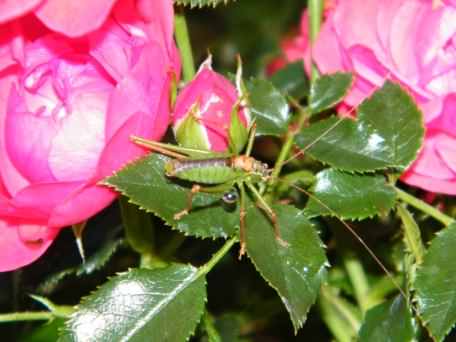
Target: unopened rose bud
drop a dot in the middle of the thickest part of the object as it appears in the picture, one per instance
(209, 114)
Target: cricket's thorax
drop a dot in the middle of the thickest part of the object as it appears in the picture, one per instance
(215, 170)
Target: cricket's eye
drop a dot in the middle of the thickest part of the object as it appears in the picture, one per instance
(230, 197)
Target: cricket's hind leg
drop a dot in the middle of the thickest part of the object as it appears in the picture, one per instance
(195, 189)
(198, 188)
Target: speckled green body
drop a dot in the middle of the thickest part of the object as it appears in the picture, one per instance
(205, 171)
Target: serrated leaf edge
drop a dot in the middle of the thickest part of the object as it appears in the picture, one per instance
(85, 298)
(106, 182)
(300, 322)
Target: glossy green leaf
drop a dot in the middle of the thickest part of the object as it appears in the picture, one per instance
(387, 134)
(268, 106)
(435, 290)
(296, 271)
(93, 263)
(292, 80)
(145, 183)
(350, 196)
(328, 90)
(141, 305)
(388, 322)
(201, 3)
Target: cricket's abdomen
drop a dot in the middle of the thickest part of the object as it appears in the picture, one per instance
(206, 171)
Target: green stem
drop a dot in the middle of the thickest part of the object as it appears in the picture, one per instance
(412, 234)
(209, 326)
(358, 280)
(26, 316)
(205, 269)
(183, 42)
(315, 17)
(288, 144)
(424, 207)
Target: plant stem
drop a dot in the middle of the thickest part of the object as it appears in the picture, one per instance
(424, 207)
(288, 144)
(315, 16)
(26, 316)
(217, 256)
(183, 42)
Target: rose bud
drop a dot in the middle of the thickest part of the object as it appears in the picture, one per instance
(209, 113)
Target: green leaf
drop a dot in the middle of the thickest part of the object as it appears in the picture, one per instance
(388, 322)
(350, 196)
(328, 90)
(141, 305)
(435, 281)
(44, 333)
(296, 271)
(268, 106)
(292, 80)
(387, 134)
(201, 3)
(145, 183)
(93, 263)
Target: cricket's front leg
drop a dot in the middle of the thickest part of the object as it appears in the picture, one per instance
(195, 189)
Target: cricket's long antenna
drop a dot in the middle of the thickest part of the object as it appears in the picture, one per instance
(333, 126)
(303, 150)
(356, 235)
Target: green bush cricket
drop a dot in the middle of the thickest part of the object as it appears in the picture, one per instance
(213, 172)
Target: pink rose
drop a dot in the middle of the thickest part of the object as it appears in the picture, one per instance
(202, 114)
(21, 243)
(72, 18)
(409, 41)
(67, 110)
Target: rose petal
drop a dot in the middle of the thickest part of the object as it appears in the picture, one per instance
(159, 18)
(28, 138)
(78, 143)
(10, 9)
(446, 148)
(429, 183)
(82, 204)
(74, 18)
(37, 201)
(429, 163)
(21, 245)
(140, 90)
(120, 149)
